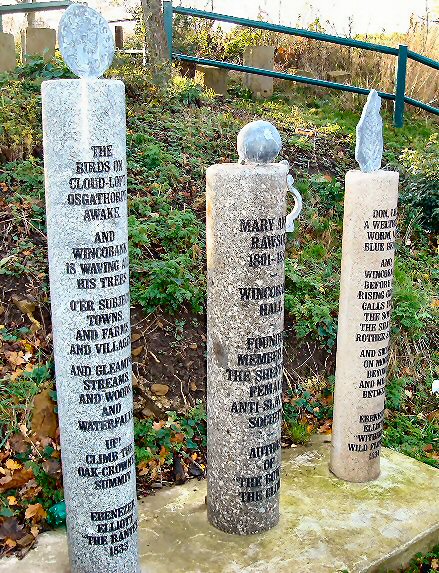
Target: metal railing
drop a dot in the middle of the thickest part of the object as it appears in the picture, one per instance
(32, 7)
(402, 53)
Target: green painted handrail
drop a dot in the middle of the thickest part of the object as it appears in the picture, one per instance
(32, 7)
(401, 77)
(285, 30)
(278, 75)
(423, 59)
(402, 53)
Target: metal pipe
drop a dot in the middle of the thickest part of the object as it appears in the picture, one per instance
(423, 59)
(401, 76)
(279, 75)
(287, 30)
(35, 7)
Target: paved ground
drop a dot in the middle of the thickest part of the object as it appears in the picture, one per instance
(326, 526)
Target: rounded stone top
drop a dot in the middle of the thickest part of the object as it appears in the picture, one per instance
(258, 142)
(85, 41)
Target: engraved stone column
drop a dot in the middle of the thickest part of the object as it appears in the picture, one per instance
(369, 229)
(246, 234)
(86, 202)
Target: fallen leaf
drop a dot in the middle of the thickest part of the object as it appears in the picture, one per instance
(137, 351)
(52, 467)
(158, 425)
(162, 454)
(15, 358)
(35, 512)
(35, 530)
(18, 372)
(18, 479)
(160, 389)
(27, 540)
(12, 465)
(12, 500)
(433, 415)
(177, 438)
(18, 444)
(11, 529)
(26, 306)
(44, 419)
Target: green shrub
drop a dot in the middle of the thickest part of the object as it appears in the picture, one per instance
(410, 435)
(20, 106)
(395, 392)
(420, 189)
(298, 432)
(186, 90)
(151, 438)
(166, 254)
(311, 296)
(411, 311)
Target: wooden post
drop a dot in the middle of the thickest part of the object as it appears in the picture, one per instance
(118, 37)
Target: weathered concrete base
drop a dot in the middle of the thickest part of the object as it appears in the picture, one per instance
(327, 525)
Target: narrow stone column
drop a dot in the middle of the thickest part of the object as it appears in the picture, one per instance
(369, 229)
(246, 214)
(86, 202)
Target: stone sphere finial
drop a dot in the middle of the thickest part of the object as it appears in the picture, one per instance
(258, 142)
(85, 41)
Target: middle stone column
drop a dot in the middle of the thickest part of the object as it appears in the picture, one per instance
(246, 213)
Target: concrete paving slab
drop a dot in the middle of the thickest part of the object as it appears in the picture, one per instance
(327, 525)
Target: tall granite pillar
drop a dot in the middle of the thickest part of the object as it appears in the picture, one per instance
(246, 235)
(369, 229)
(86, 202)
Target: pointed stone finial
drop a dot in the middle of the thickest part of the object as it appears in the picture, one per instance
(258, 142)
(85, 41)
(369, 144)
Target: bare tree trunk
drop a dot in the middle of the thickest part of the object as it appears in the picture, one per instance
(156, 41)
(29, 16)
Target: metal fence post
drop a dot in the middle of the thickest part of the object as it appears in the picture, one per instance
(167, 19)
(398, 117)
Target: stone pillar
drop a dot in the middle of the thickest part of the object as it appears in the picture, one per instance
(86, 200)
(369, 229)
(38, 42)
(259, 57)
(245, 236)
(118, 37)
(213, 78)
(7, 52)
